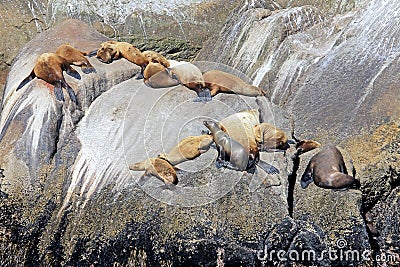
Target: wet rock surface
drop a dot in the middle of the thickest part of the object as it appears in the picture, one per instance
(68, 197)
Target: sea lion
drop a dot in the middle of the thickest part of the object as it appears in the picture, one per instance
(152, 69)
(304, 146)
(75, 57)
(49, 67)
(155, 57)
(270, 138)
(231, 154)
(222, 82)
(327, 169)
(240, 126)
(112, 50)
(184, 73)
(157, 167)
(188, 148)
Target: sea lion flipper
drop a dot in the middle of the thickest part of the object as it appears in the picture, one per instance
(268, 168)
(26, 80)
(72, 72)
(92, 53)
(71, 93)
(207, 94)
(58, 91)
(307, 176)
(203, 96)
(88, 68)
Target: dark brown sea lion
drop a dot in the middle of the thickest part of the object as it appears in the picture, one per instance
(239, 126)
(231, 154)
(188, 148)
(49, 67)
(222, 82)
(75, 57)
(327, 169)
(157, 167)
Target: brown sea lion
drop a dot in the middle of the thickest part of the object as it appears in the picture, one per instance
(49, 67)
(184, 73)
(112, 50)
(269, 137)
(75, 57)
(188, 148)
(152, 69)
(222, 82)
(157, 167)
(240, 126)
(155, 57)
(327, 169)
(304, 146)
(231, 154)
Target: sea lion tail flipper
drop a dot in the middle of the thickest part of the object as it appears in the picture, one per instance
(92, 53)
(88, 68)
(71, 93)
(72, 72)
(26, 80)
(58, 91)
(268, 168)
(307, 177)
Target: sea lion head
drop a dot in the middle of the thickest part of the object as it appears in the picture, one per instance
(107, 53)
(212, 126)
(304, 146)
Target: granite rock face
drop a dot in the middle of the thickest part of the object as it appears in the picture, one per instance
(69, 198)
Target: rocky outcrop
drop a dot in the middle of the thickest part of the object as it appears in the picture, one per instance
(184, 22)
(69, 198)
(310, 63)
(69, 164)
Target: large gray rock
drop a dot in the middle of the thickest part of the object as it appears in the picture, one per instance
(333, 75)
(69, 197)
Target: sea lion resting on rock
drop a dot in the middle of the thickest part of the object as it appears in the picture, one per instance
(155, 57)
(157, 167)
(188, 148)
(327, 170)
(75, 57)
(152, 69)
(112, 50)
(222, 82)
(230, 151)
(49, 67)
(184, 73)
(270, 138)
(232, 154)
(239, 126)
